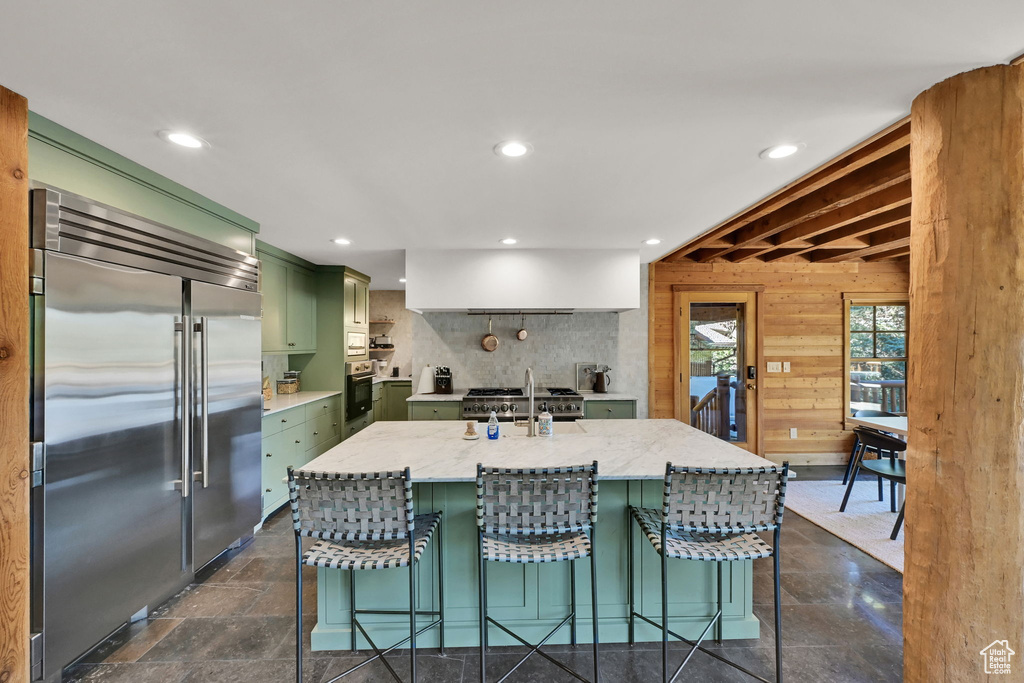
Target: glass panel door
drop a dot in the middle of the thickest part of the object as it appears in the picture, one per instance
(718, 360)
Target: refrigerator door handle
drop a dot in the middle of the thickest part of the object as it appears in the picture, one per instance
(186, 406)
(204, 391)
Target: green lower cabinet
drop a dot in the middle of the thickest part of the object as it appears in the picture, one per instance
(435, 410)
(285, 449)
(395, 404)
(377, 399)
(353, 427)
(609, 410)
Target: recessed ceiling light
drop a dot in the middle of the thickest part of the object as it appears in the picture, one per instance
(342, 241)
(513, 148)
(183, 139)
(780, 151)
(652, 241)
(509, 240)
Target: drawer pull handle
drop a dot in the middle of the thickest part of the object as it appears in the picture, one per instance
(291, 343)
(269, 490)
(314, 434)
(269, 454)
(283, 420)
(334, 424)
(297, 441)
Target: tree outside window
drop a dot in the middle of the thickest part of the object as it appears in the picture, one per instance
(877, 356)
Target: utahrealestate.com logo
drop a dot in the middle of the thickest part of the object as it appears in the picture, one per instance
(997, 657)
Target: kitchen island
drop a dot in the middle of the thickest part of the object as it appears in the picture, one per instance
(631, 457)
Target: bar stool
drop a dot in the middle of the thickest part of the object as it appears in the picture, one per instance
(894, 470)
(363, 522)
(532, 516)
(712, 515)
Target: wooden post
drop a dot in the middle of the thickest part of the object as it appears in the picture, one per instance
(964, 581)
(14, 389)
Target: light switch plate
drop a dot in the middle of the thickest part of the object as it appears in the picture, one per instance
(785, 366)
(774, 366)
(792, 432)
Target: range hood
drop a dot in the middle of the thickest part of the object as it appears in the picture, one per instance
(522, 280)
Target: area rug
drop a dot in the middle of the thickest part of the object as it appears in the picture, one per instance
(866, 523)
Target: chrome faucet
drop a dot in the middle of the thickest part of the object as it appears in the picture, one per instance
(529, 388)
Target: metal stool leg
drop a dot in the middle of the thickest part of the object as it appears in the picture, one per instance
(298, 608)
(778, 606)
(352, 603)
(632, 591)
(440, 588)
(593, 603)
(482, 578)
(721, 617)
(664, 608)
(572, 602)
(412, 606)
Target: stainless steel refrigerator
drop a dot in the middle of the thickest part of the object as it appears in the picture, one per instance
(146, 415)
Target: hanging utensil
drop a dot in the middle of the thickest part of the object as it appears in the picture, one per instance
(489, 342)
(521, 334)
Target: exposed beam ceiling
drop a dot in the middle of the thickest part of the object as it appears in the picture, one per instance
(853, 208)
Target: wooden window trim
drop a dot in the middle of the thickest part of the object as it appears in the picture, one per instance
(864, 299)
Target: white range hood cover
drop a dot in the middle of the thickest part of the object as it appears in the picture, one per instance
(522, 279)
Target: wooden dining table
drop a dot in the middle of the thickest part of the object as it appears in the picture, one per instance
(893, 425)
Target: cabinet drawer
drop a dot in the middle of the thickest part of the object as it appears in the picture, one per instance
(609, 410)
(353, 427)
(331, 404)
(322, 448)
(436, 410)
(272, 424)
(322, 428)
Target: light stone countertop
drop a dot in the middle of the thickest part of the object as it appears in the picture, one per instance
(456, 395)
(285, 401)
(608, 397)
(378, 380)
(625, 449)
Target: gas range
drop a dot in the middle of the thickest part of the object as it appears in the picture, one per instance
(563, 404)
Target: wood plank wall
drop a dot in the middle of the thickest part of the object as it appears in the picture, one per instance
(14, 389)
(803, 324)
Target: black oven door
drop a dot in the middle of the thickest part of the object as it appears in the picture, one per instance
(360, 396)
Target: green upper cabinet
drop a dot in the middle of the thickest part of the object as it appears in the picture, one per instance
(289, 306)
(357, 302)
(301, 310)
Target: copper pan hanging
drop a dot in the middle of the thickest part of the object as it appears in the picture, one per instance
(489, 342)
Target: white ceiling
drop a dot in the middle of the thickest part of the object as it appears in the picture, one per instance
(376, 121)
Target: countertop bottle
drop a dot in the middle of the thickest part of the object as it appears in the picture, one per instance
(492, 426)
(545, 424)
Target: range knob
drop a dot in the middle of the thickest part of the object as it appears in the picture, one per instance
(476, 407)
(543, 406)
(571, 406)
(562, 407)
(504, 407)
(485, 408)
(513, 407)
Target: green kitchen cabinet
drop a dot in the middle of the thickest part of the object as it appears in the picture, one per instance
(609, 410)
(377, 400)
(289, 306)
(435, 410)
(357, 302)
(353, 427)
(395, 404)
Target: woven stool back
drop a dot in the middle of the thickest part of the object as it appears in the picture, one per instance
(372, 506)
(549, 500)
(726, 501)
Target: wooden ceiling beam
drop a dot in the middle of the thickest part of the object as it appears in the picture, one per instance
(890, 198)
(884, 240)
(853, 230)
(892, 170)
(885, 255)
(877, 147)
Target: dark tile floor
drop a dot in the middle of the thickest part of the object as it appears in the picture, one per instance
(842, 619)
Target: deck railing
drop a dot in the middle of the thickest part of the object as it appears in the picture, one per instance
(710, 413)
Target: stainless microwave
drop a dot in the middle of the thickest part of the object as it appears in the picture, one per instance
(356, 344)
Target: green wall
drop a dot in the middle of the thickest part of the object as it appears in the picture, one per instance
(68, 161)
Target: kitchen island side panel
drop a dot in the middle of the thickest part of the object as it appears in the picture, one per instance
(531, 599)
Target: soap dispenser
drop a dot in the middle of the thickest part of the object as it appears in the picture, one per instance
(492, 426)
(545, 424)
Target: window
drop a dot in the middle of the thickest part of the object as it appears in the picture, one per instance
(876, 353)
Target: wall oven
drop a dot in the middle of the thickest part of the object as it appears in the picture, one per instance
(359, 388)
